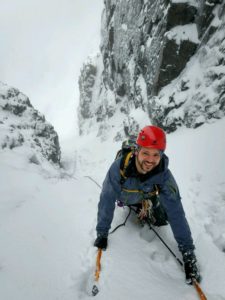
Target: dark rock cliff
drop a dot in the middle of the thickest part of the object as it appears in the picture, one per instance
(145, 46)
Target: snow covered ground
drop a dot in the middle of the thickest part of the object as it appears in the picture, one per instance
(48, 218)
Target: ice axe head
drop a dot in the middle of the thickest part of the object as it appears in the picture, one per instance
(95, 290)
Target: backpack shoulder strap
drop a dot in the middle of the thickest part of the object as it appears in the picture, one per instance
(123, 166)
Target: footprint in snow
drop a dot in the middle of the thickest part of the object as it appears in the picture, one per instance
(194, 189)
(215, 223)
(215, 297)
(158, 256)
(86, 283)
(147, 234)
(196, 178)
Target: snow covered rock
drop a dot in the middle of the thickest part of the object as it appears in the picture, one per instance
(198, 96)
(22, 125)
(146, 46)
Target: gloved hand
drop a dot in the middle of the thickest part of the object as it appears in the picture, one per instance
(101, 242)
(190, 267)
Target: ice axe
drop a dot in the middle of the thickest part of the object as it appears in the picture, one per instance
(95, 289)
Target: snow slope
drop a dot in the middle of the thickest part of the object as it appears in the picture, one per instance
(48, 218)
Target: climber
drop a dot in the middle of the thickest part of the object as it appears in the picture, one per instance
(146, 183)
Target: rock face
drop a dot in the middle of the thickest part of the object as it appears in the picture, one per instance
(145, 46)
(22, 125)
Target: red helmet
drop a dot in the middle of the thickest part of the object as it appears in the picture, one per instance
(152, 137)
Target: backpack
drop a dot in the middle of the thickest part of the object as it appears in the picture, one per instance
(126, 152)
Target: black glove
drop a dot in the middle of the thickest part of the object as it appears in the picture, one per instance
(101, 242)
(190, 267)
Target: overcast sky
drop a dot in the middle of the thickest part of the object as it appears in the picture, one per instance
(43, 44)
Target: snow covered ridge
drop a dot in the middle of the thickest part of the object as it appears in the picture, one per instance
(23, 126)
(162, 57)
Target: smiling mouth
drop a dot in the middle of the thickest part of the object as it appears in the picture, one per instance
(148, 165)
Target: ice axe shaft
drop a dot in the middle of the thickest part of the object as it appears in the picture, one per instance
(98, 264)
(95, 289)
(202, 296)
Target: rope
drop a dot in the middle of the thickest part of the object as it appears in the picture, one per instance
(89, 177)
(123, 224)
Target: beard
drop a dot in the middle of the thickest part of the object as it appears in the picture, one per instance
(144, 166)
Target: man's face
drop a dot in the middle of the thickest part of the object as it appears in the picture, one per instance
(147, 159)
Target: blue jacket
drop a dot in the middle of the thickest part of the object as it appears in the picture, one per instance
(170, 199)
